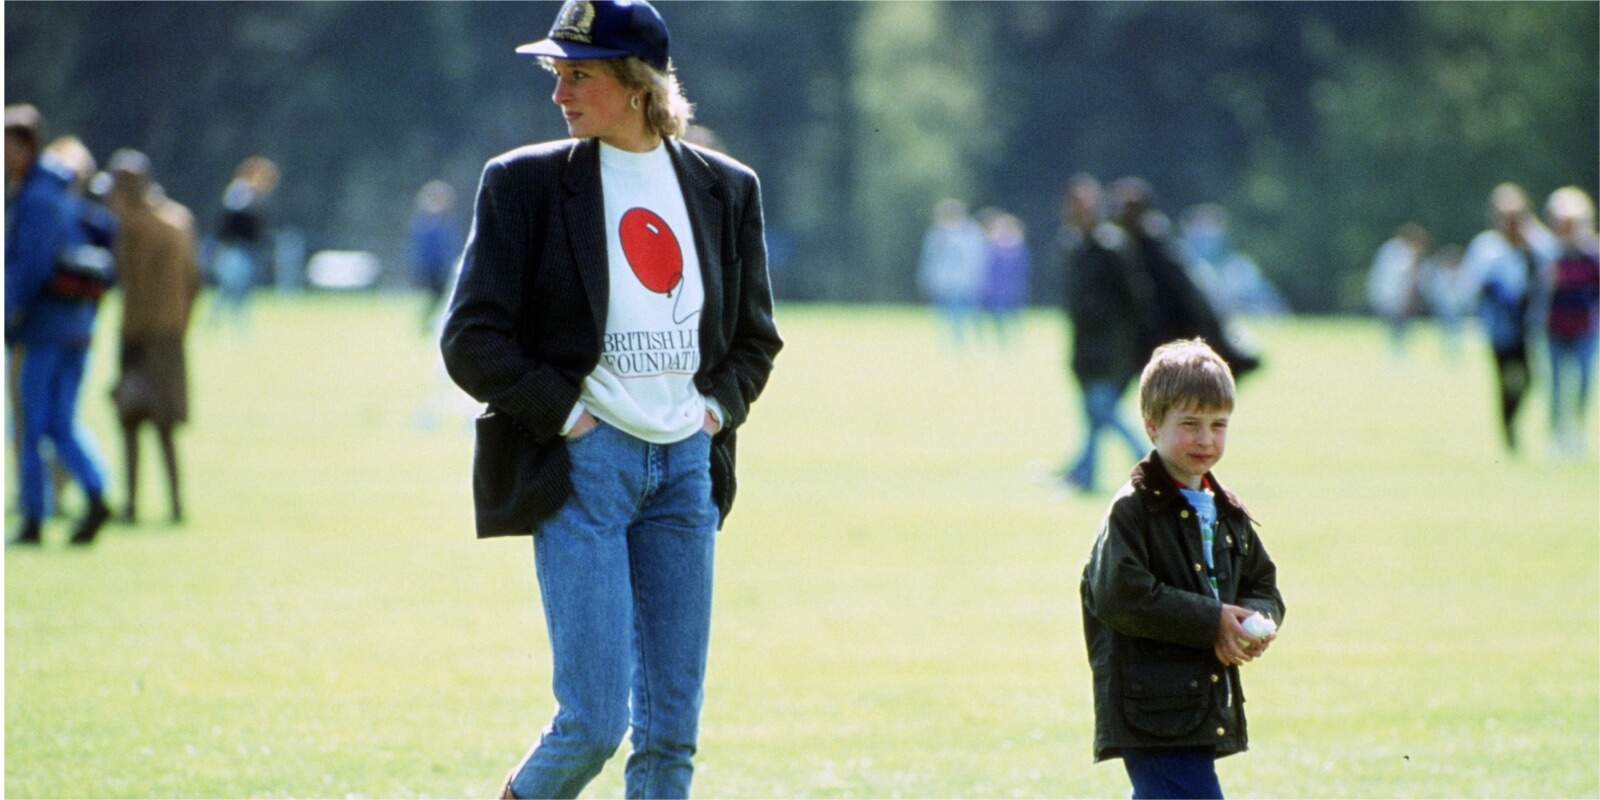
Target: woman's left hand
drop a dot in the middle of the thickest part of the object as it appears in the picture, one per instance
(711, 426)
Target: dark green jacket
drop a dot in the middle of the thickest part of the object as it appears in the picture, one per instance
(1149, 619)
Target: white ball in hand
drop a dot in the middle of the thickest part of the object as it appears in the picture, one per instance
(1259, 626)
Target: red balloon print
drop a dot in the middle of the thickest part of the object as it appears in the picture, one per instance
(652, 250)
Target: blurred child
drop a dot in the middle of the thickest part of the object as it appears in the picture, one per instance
(1504, 266)
(950, 271)
(1005, 272)
(1449, 297)
(435, 247)
(1573, 322)
(1175, 573)
(1394, 283)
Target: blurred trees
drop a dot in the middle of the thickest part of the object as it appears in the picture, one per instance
(1322, 125)
(1419, 122)
(923, 128)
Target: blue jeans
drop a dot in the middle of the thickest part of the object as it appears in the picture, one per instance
(1100, 399)
(235, 269)
(625, 575)
(49, 383)
(1574, 356)
(1172, 772)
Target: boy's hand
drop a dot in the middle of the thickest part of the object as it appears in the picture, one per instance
(1233, 646)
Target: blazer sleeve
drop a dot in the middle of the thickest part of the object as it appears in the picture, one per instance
(1126, 596)
(480, 342)
(739, 377)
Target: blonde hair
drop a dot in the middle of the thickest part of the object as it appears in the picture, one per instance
(667, 111)
(259, 172)
(70, 151)
(1185, 374)
(1508, 198)
(1571, 203)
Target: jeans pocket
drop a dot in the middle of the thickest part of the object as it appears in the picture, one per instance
(586, 435)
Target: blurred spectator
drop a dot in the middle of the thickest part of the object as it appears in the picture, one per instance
(1179, 309)
(950, 272)
(1394, 284)
(159, 280)
(1006, 267)
(54, 277)
(1573, 324)
(1105, 302)
(1448, 296)
(435, 246)
(1504, 265)
(1236, 285)
(241, 230)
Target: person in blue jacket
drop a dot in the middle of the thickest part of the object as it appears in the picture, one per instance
(53, 278)
(434, 247)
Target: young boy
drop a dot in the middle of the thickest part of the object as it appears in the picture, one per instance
(1174, 574)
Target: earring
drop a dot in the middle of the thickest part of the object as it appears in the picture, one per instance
(634, 101)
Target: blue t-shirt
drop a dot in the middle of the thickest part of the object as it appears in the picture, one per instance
(1205, 507)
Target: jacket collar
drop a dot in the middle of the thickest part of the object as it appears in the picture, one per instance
(582, 175)
(1152, 482)
(703, 196)
(585, 213)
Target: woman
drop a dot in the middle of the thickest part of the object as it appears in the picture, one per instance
(618, 337)
(1106, 301)
(241, 232)
(1573, 323)
(160, 279)
(1506, 263)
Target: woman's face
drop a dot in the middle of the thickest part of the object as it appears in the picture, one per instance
(596, 104)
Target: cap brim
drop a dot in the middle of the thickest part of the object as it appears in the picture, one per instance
(574, 51)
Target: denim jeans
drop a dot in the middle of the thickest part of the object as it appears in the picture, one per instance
(1172, 772)
(49, 383)
(1100, 400)
(625, 575)
(1571, 358)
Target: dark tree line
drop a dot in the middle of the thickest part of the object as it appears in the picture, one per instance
(1321, 125)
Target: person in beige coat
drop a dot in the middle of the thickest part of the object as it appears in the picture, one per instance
(159, 277)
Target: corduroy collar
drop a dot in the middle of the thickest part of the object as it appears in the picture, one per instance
(1159, 489)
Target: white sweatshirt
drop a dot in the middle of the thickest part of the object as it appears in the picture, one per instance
(644, 383)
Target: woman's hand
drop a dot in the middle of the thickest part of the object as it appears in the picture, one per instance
(585, 423)
(712, 426)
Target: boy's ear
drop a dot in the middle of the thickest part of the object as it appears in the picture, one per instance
(1150, 427)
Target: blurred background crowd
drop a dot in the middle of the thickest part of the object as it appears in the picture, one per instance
(1310, 158)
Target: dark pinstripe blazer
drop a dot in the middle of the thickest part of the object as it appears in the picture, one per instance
(524, 326)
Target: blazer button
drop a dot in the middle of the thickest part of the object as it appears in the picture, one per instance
(1198, 568)
(1222, 731)
(1230, 540)
(1216, 678)
(1184, 513)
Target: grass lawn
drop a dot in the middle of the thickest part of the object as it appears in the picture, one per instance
(896, 595)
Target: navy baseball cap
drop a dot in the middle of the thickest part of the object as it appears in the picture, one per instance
(587, 29)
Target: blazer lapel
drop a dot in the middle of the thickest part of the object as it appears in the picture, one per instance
(585, 212)
(702, 196)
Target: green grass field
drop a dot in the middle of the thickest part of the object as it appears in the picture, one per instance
(896, 598)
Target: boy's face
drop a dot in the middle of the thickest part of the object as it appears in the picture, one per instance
(1190, 440)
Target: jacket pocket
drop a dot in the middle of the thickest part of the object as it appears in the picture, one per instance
(515, 481)
(1165, 698)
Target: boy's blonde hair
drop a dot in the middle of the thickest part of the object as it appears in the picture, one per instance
(1184, 374)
